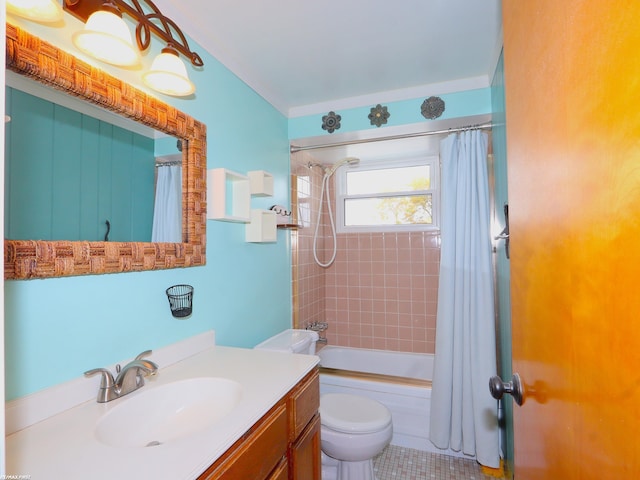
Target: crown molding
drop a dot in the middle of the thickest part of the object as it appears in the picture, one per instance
(440, 88)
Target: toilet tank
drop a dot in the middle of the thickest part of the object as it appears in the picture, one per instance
(292, 341)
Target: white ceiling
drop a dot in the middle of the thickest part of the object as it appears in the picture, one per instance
(305, 55)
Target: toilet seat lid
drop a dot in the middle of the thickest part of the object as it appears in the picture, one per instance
(353, 413)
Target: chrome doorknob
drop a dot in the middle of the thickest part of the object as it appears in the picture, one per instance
(514, 388)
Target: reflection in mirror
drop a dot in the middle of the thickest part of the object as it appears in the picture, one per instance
(167, 210)
(77, 172)
(65, 245)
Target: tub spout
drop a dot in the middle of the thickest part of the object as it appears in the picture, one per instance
(320, 328)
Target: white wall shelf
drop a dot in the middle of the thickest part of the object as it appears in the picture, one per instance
(262, 228)
(228, 196)
(261, 183)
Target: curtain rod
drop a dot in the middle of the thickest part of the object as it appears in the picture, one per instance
(168, 164)
(481, 126)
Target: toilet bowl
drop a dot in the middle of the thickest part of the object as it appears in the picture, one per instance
(354, 429)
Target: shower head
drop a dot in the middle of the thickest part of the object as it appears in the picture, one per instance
(345, 161)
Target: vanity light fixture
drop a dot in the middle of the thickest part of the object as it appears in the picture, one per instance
(168, 73)
(107, 38)
(44, 11)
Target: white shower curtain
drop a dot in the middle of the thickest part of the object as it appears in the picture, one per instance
(167, 211)
(463, 413)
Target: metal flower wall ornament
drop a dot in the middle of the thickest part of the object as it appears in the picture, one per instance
(432, 108)
(379, 115)
(331, 122)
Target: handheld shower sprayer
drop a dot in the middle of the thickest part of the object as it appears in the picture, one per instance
(328, 172)
(345, 161)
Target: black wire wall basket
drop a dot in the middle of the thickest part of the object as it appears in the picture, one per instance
(180, 300)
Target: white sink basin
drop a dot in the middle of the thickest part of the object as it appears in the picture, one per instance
(168, 412)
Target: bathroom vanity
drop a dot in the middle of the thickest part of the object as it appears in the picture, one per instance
(283, 444)
(264, 423)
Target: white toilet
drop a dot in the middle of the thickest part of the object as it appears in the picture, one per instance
(354, 429)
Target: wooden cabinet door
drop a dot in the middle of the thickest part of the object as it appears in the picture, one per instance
(255, 456)
(281, 472)
(303, 404)
(304, 456)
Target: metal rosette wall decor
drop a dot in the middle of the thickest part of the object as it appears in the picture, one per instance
(331, 122)
(379, 115)
(432, 108)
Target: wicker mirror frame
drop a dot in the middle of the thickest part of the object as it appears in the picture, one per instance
(23, 259)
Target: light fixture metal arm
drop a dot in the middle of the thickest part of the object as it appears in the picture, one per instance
(148, 20)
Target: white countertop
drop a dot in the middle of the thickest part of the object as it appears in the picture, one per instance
(64, 446)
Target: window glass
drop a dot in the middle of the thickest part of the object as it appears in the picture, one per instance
(304, 200)
(397, 210)
(388, 180)
(383, 197)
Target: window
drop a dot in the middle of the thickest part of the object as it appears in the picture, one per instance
(303, 187)
(388, 196)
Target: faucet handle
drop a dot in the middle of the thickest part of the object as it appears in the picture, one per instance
(146, 353)
(107, 378)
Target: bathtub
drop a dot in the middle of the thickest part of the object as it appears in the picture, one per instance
(401, 381)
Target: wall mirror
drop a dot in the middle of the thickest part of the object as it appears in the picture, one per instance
(74, 171)
(36, 258)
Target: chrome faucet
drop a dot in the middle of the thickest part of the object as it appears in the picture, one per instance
(320, 328)
(129, 378)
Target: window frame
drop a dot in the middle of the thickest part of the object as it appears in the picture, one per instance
(432, 161)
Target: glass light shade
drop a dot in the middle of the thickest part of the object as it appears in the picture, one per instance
(45, 11)
(168, 74)
(107, 38)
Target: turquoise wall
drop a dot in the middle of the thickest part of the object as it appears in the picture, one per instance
(405, 112)
(165, 146)
(79, 173)
(55, 329)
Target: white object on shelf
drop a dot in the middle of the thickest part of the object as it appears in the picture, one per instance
(262, 228)
(228, 196)
(261, 183)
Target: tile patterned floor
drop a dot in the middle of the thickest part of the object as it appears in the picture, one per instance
(399, 463)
